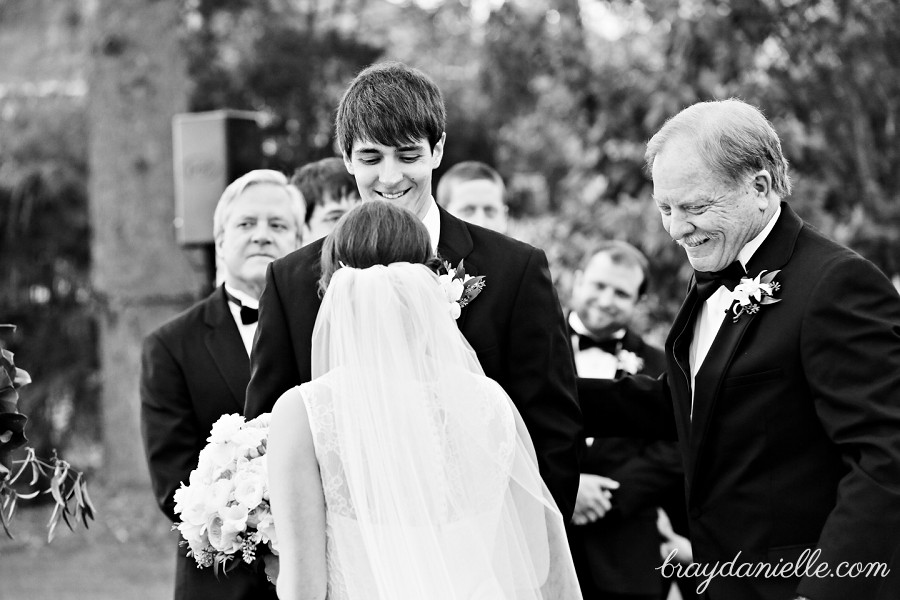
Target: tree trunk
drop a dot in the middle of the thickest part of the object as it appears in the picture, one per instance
(137, 82)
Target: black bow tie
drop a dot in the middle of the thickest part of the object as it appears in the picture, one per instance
(248, 315)
(610, 346)
(709, 281)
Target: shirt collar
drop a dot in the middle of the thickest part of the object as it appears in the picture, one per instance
(245, 298)
(432, 222)
(753, 245)
(580, 328)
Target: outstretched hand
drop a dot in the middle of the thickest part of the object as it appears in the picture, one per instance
(594, 498)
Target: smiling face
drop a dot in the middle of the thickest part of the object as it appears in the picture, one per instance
(260, 226)
(400, 175)
(605, 294)
(711, 219)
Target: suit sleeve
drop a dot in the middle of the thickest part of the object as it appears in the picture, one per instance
(632, 406)
(850, 345)
(169, 427)
(649, 478)
(541, 378)
(273, 368)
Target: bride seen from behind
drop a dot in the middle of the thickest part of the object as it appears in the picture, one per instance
(401, 471)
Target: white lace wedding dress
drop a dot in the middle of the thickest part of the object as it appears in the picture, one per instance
(430, 479)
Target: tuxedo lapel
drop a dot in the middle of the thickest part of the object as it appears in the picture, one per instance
(225, 346)
(708, 382)
(455, 244)
(678, 345)
(772, 255)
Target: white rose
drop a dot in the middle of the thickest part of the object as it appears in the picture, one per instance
(225, 428)
(248, 439)
(455, 310)
(213, 457)
(234, 518)
(219, 494)
(182, 497)
(190, 503)
(194, 534)
(202, 475)
(220, 538)
(249, 487)
(266, 529)
(453, 288)
(262, 421)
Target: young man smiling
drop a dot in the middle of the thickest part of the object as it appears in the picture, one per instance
(390, 128)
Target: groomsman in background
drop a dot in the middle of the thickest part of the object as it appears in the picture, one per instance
(474, 192)
(329, 191)
(195, 368)
(614, 538)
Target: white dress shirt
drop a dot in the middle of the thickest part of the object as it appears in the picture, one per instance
(247, 331)
(592, 362)
(432, 222)
(712, 313)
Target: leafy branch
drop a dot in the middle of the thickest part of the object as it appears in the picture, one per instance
(67, 486)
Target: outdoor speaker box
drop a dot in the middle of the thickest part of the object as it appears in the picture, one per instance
(211, 149)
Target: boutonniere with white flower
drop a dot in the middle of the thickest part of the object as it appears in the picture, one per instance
(750, 294)
(629, 362)
(459, 287)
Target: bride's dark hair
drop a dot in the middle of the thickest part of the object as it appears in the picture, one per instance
(375, 233)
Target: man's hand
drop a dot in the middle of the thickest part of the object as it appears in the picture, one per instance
(672, 541)
(593, 499)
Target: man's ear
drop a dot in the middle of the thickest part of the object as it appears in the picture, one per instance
(438, 153)
(762, 186)
(218, 244)
(347, 163)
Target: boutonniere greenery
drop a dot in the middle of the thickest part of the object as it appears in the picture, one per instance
(750, 294)
(459, 287)
(629, 362)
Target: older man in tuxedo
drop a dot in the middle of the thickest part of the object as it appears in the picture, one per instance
(195, 368)
(782, 378)
(390, 126)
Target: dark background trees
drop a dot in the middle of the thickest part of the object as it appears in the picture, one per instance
(559, 95)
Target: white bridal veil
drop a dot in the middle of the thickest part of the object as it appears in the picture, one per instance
(430, 475)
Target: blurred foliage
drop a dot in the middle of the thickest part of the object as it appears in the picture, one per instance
(289, 61)
(44, 270)
(559, 95)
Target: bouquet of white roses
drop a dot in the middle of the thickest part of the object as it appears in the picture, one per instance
(225, 507)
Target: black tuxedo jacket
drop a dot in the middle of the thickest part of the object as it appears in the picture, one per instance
(620, 552)
(194, 369)
(515, 326)
(794, 442)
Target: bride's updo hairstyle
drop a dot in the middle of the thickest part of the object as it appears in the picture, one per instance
(375, 233)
